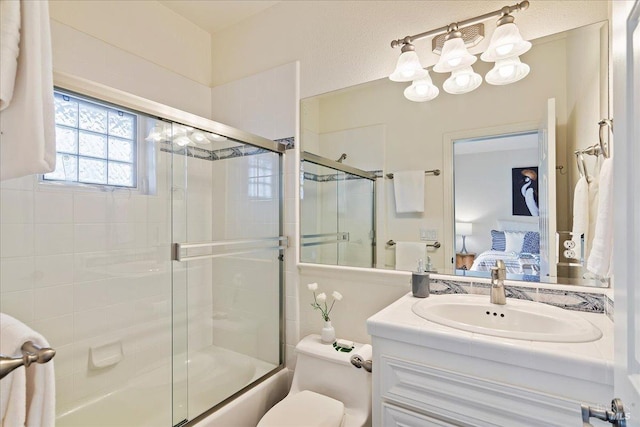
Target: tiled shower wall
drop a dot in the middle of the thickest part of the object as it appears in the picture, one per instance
(88, 269)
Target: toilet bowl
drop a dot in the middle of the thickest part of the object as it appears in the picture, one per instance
(327, 391)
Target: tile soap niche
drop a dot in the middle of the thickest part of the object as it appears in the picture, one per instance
(105, 355)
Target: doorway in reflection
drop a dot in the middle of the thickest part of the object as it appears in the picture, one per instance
(497, 196)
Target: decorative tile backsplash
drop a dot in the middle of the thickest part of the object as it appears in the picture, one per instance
(309, 176)
(570, 300)
(222, 153)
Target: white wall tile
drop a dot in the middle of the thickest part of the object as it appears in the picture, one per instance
(16, 274)
(90, 323)
(17, 240)
(16, 207)
(53, 270)
(53, 301)
(51, 239)
(59, 333)
(25, 183)
(53, 207)
(90, 237)
(89, 208)
(18, 304)
(89, 295)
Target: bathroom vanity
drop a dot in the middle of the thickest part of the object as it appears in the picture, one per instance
(428, 374)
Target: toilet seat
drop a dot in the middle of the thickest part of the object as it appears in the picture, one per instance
(305, 409)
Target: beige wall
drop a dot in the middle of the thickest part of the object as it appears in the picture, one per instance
(342, 43)
(143, 28)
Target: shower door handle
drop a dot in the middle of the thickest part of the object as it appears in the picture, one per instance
(177, 248)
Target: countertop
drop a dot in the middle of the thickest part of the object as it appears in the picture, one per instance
(590, 361)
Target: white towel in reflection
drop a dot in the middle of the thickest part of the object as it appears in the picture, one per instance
(599, 261)
(408, 187)
(408, 254)
(9, 48)
(28, 144)
(27, 396)
(580, 213)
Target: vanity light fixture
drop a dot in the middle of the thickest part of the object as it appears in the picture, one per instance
(422, 90)
(504, 49)
(462, 81)
(408, 67)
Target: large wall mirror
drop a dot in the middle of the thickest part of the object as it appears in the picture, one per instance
(484, 160)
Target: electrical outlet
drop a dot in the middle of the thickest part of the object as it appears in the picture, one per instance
(428, 234)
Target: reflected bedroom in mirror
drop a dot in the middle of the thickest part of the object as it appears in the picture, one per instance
(502, 171)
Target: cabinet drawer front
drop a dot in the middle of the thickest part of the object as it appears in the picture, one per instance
(393, 416)
(473, 401)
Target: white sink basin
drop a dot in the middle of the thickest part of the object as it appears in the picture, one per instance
(518, 319)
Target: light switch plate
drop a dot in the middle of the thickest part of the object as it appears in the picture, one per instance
(428, 234)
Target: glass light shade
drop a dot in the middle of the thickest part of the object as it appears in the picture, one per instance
(217, 137)
(454, 56)
(464, 228)
(421, 90)
(182, 141)
(506, 42)
(462, 81)
(408, 68)
(507, 71)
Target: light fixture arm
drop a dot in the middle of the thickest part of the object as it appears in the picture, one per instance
(523, 5)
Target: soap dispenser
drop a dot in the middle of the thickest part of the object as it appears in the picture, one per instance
(420, 281)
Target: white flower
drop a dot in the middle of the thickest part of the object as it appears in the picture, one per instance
(322, 297)
(336, 295)
(312, 287)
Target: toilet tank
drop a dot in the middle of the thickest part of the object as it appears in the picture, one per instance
(320, 368)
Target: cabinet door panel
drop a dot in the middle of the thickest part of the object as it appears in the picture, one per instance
(393, 416)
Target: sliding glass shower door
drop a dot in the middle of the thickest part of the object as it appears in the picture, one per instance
(337, 213)
(227, 269)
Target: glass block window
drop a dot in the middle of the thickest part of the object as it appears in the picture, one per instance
(95, 143)
(260, 180)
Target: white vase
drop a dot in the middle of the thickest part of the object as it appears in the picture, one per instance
(328, 334)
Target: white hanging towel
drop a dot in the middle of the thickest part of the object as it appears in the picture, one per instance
(27, 143)
(9, 48)
(27, 396)
(599, 261)
(408, 187)
(409, 253)
(580, 213)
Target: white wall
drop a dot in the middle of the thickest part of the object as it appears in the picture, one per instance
(340, 44)
(263, 104)
(144, 29)
(85, 56)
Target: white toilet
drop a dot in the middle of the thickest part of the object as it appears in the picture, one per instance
(327, 390)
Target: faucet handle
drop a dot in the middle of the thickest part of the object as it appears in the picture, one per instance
(495, 275)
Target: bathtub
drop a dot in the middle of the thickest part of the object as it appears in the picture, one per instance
(214, 373)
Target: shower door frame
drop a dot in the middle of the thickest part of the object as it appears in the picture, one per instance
(306, 156)
(164, 112)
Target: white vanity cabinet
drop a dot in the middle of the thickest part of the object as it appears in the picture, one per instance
(425, 374)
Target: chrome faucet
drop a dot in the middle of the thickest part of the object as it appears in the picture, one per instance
(498, 274)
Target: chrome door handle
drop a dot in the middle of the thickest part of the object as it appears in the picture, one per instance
(616, 416)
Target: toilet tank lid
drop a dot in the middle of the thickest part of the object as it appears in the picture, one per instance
(313, 346)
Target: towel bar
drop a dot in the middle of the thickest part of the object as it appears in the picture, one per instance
(435, 172)
(435, 244)
(30, 353)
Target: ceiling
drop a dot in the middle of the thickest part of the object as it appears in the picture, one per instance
(216, 15)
